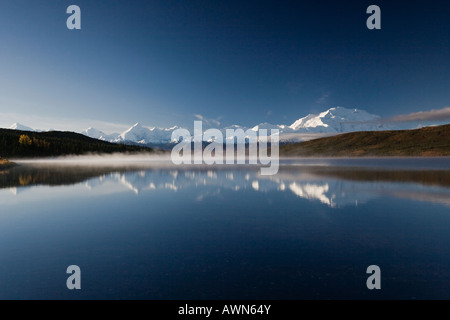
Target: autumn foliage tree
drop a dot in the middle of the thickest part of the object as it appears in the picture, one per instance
(25, 140)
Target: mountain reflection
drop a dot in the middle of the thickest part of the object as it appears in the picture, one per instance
(332, 186)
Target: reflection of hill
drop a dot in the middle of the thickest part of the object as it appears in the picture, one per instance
(332, 186)
(5, 164)
(341, 186)
(425, 177)
(22, 176)
(435, 197)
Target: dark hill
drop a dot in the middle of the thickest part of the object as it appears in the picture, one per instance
(25, 144)
(429, 141)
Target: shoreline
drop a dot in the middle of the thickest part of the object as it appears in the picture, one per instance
(6, 164)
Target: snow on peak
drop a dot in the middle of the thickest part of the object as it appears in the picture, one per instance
(93, 133)
(137, 125)
(337, 120)
(18, 126)
(332, 121)
(136, 133)
(100, 135)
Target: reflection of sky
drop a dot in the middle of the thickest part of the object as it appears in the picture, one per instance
(330, 191)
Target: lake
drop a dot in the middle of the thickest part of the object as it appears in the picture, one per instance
(187, 233)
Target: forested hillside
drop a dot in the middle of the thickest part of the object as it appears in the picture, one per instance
(25, 144)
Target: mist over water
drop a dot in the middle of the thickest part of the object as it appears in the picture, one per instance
(116, 160)
(164, 159)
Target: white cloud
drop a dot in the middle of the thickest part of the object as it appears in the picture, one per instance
(323, 98)
(432, 115)
(209, 122)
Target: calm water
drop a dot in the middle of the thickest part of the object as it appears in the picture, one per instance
(310, 232)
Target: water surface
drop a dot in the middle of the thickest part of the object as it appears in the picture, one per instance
(309, 232)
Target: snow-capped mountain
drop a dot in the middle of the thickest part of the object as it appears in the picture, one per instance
(333, 121)
(339, 120)
(136, 133)
(94, 133)
(21, 127)
(97, 134)
(140, 134)
(330, 122)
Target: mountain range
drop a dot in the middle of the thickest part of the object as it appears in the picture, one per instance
(333, 121)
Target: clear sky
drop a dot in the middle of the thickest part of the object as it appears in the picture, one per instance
(163, 62)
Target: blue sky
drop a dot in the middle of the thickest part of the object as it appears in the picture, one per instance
(163, 62)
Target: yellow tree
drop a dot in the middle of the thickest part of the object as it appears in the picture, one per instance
(25, 140)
